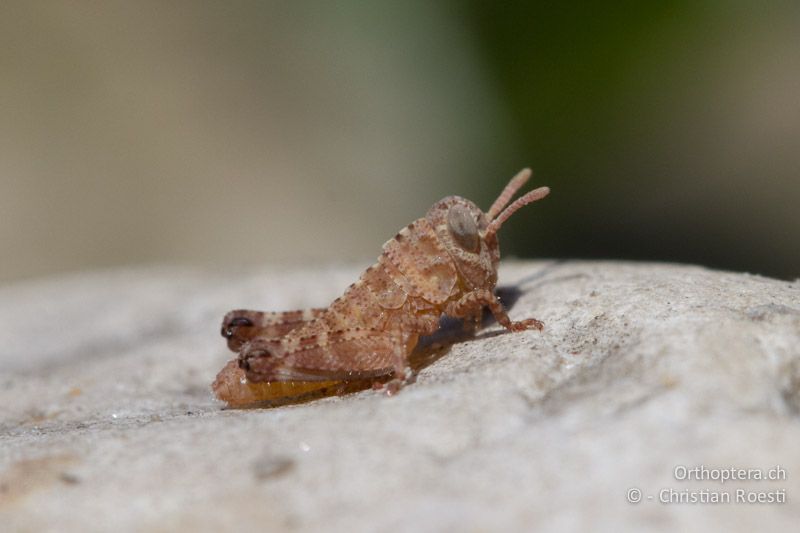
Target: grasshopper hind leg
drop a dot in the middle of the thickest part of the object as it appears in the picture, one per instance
(241, 325)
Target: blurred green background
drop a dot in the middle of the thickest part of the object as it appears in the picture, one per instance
(228, 134)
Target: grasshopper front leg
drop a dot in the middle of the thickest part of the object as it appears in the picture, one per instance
(476, 300)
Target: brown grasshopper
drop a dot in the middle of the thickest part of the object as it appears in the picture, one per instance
(442, 264)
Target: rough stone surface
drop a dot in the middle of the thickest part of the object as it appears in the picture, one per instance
(107, 422)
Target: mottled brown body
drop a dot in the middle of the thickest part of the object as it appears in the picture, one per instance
(444, 263)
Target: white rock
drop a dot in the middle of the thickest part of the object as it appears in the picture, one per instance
(107, 422)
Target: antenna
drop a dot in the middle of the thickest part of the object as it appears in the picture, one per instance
(532, 196)
(511, 189)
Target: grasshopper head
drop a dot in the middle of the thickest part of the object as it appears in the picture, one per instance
(470, 236)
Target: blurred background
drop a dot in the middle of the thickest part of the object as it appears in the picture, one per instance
(242, 133)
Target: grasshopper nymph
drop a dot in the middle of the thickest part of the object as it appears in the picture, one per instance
(444, 263)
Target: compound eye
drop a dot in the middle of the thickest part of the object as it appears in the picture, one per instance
(463, 228)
